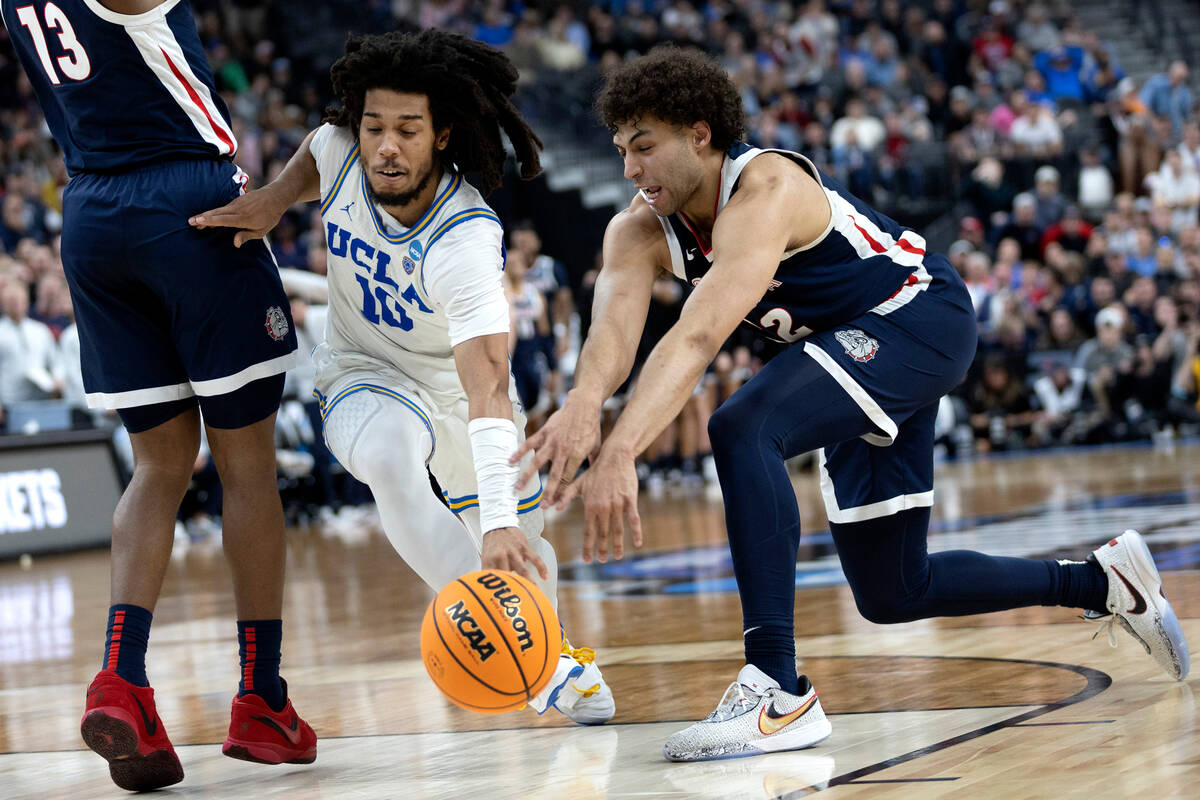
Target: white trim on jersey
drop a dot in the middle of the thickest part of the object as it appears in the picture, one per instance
(869, 240)
(882, 508)
(161, 51)
(125, 20)
(675, 248)
(859, 395)
(180, 391)
(263, 369)
(138, 397)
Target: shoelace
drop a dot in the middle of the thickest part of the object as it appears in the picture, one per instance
(733, 703)
(1107, 625)
(584, 655)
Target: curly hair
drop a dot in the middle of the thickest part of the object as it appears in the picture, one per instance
(468, 85)
(677, 86)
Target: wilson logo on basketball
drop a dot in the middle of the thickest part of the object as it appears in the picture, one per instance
(511, 604)
(469, 628)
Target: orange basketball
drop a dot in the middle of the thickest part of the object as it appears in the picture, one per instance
(490, 640)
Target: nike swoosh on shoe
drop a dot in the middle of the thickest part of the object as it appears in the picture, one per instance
(1139, 605)
(151, 726)
(291, 733)
(770, 722)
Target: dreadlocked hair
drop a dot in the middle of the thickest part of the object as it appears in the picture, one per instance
(468, 85)
(677, 85)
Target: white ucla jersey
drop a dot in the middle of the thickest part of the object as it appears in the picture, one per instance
(406, 296)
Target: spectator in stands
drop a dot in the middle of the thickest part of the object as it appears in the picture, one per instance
(495, 25)
(560, 47)
(288, 249)
(868, 131)
(1137, 148)
(1062, 334)
(1036, 133)
(1139, 301)
(1176, 188)
(1184, 402)
(977, 276)
(1059, 393)
(1189, 148)
(1167, 95)
(1023, 227)
(1047, 192)
(1095, 189)
(1001, 414)
(1144, 258)
(19, 219)
(28, 353)
(1060, 69)
(1107, 360)
(1070, 232)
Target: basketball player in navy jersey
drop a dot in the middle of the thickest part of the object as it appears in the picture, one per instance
(879, 329)
(173, 322)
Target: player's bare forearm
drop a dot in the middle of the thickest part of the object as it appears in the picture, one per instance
(482, 364)
(604, 363)
(674, 367)
(622, 298)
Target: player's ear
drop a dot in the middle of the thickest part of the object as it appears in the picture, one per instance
(443, 138)
(700, 134)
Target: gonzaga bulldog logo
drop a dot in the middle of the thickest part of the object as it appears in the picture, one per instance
(277, 323)
(858, 345)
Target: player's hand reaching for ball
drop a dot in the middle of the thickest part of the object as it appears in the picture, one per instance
(254, 214)
(508, 549)
(570, 435)
(609, 490)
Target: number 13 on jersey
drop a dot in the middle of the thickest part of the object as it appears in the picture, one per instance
(75, 65)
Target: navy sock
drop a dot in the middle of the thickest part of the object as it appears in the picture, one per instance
(1080, 584)
(772, 648)
(258, 649)
(125, 642)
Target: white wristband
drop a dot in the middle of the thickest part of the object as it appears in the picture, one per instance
(493, 441)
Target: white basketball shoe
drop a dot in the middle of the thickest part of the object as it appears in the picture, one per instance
(577, 688)
(1137, 603)
(754, 716)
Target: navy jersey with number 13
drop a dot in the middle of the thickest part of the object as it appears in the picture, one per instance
(120, 91)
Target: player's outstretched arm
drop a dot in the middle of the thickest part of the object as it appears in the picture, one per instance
(482, 364)
(775, 208)
(256, 213)
(634, 249)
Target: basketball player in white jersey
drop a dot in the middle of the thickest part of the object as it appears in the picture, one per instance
(413, 375)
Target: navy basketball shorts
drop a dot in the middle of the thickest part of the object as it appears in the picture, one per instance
(895, 367)
(167, 312)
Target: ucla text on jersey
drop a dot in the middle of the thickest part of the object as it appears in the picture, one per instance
(381, 294)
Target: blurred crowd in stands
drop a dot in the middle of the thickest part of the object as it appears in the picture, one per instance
(1072, 191)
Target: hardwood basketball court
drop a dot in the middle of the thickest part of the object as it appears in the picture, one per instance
(1022, 704)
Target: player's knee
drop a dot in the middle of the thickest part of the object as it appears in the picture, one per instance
(729, 427)
(885, 606)
(381, 463)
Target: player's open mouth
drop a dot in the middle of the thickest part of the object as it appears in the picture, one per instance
(651, 193)
(391, 174)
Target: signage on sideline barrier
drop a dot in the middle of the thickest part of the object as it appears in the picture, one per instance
(57, 491)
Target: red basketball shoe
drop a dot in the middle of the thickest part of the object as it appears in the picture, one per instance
(256, 733)
(121, 724)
